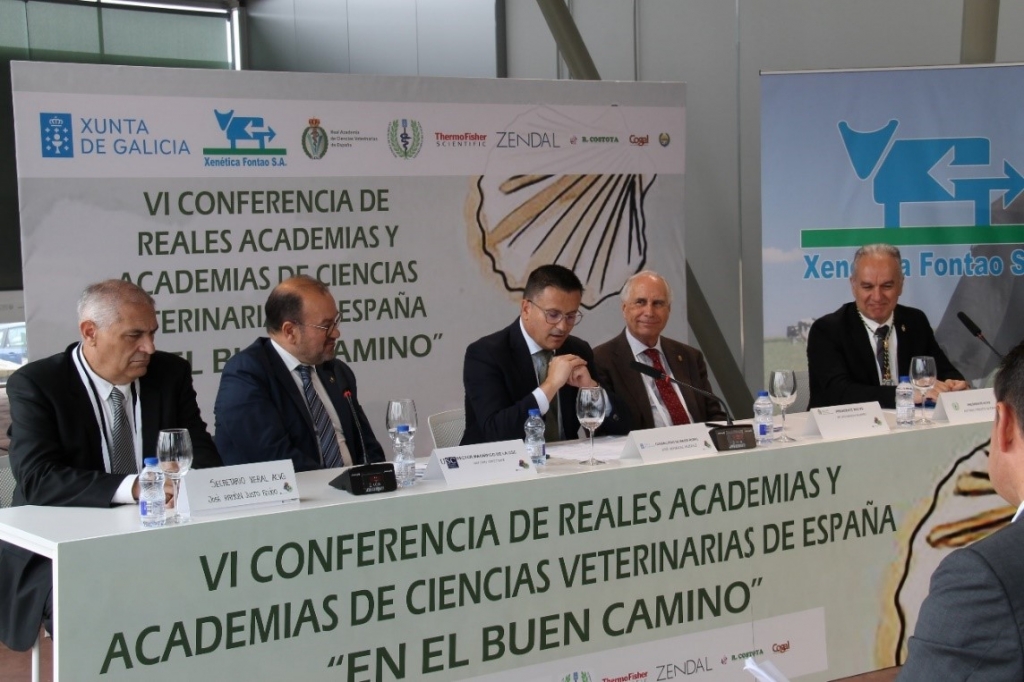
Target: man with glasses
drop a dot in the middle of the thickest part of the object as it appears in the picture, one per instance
(646, 304)
(288, 396)
(534, 363)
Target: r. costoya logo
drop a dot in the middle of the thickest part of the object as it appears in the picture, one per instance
(405, 138)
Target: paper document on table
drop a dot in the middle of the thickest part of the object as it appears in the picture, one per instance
(609, 447)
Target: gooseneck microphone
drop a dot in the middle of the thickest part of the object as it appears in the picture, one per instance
(656, 375)
(365, 478)
(975, 331)
(731, 437)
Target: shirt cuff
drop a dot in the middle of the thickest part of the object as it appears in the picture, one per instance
(123, 494)
(542, 400)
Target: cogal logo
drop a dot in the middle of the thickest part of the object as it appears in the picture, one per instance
(639, 140)
(781, 648)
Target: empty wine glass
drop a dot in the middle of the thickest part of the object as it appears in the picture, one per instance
(174, 450)
(590, 407)
(782, 389)
(923, 375)
(401, 412)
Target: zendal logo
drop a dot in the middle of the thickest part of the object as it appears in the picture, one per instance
(56, 136)
(246, 135)
(314, 140)
(405, 138)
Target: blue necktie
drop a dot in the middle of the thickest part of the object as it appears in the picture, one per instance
(324, 429)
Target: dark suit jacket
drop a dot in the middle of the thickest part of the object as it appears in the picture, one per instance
(971, 625)
(57, 459)
(841, 360)
(686, 364)
(499, 379)
(261, 416)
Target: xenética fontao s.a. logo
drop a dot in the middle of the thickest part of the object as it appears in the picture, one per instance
(247, 138)
(314, 140)
(56, 136)
(405, 138)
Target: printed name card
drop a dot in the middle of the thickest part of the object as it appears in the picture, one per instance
(480, 463)
(207, 490)
(846, 421)
(668, 443)
(966, 407)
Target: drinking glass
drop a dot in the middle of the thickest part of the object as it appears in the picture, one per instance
(923, 375)
(782, 389)
(174, 450)
(590, 406)
(401, 412)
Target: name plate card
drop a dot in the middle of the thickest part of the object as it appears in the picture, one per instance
(966, 407)
(480, 463)
(846, 421)
(668, 443)
(209, 490)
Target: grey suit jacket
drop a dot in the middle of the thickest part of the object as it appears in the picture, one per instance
(687, 365)
(971, 625)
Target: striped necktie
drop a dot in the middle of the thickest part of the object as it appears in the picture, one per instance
(324, 429)
(122, 455)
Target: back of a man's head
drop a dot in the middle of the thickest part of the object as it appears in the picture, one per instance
(557, 276)
(101, 302)
(1009, 387)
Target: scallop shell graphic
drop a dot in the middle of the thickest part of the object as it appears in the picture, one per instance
(591, 224)
(962, 509)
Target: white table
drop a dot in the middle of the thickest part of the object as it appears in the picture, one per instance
(285, 592)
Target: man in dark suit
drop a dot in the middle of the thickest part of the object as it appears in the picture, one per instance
(288, 396)
(646, 305)
(858, 353)
(970, 625)
(534, 363)
(81, 421)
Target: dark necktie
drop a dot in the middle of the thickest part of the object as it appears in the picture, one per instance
(882, 351)
(321, 421)
(122, 455)
(676, 411)
(551, 431)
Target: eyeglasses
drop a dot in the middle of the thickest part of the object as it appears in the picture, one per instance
(556, 316)
(328, 329)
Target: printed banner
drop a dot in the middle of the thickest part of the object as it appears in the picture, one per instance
(422, 203)
(929, 160)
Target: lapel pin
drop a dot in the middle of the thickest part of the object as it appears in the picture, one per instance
(903, 328)
(679, 358)
(331, 378)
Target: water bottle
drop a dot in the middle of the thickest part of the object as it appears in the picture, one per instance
(405, 457)
(535, 438)
(152, 501)
(904, 403)
(764, 419)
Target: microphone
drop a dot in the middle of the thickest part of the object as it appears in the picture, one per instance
(656, 375)
(365, 478)
(355, 418)
(731, 437)
(975, 331)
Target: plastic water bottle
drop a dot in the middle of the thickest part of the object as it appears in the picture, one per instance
(152, 502)
(405, 457)
(764, 418)
(535, 438)
(904, 403)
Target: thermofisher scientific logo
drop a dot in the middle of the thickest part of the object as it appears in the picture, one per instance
(247, 137)
(56, 136)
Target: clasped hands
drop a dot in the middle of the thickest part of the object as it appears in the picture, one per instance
(566, 369)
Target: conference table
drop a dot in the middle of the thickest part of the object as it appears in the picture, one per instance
(813, 556)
